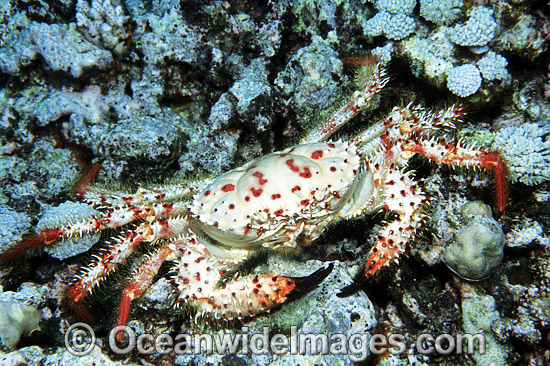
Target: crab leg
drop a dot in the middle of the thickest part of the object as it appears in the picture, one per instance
(118, 252)
(140, 281)
(372, 80)
(449, 154)
(198, 283)
(115, 218)
(105, 198)
(406, 199)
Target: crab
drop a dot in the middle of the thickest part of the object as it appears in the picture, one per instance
(282, 201)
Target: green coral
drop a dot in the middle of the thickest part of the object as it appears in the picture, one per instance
(477, 250)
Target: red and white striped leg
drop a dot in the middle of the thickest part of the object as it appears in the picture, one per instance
(168, 193)
(116, 253)
(372, 80)
(113, 219)
(456, 155)
(140, 281)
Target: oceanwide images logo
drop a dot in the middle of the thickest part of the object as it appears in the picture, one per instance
(80, 340)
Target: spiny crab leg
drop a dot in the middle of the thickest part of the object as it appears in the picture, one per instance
(152, 204)
(161, 194)
(140, 281)
(114, 218)
(443, 153)
(406, 199)
(116, 253)
(373, 80)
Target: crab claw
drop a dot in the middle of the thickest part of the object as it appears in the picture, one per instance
(307, 283)
(351, 289)
(246, 296)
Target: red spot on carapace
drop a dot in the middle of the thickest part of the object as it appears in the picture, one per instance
(332, 168)
(275, 196)
(247, 198)
(259, 175)
(304, 202)
(228, 187)
(256, 192)
(290, 163)
(296, 189)
(306, 173)
(318, 154)
(279, 212)
(231, 206)
(332, 146)
(207, 193)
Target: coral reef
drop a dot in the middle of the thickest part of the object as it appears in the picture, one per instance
(59, 46)
(12, 226)
(104, 23)
(493, 67)
(16, 320)
(19, 315)
(393, 19)
(478, 315)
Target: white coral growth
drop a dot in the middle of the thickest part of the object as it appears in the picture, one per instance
(493, 67)
(464, 80)
(393, 26)
(479, 30)
(392, 20)
(441, 11)
(396, 6)
(526, 150)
